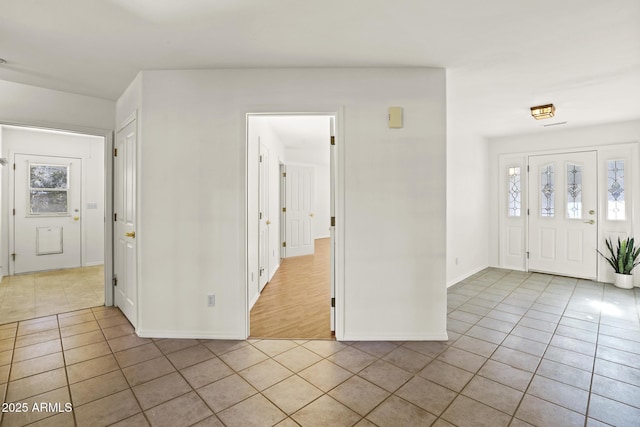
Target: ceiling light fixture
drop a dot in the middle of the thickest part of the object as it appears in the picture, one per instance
(543, 111)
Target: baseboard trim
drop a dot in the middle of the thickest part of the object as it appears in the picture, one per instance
(464, 276)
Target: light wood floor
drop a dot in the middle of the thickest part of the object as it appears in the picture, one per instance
(295, 303)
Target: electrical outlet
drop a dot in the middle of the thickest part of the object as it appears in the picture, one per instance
(211, 300)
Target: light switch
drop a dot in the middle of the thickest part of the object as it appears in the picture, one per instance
(395, 117)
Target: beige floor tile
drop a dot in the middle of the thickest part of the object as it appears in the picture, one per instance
(148, 370)
(274, 347)
(98, 387)
(183, 411)
(90, 351)
(91, 368)
(491, 393)
(137, 355)
(507, 375)
(561, 394)
(206, 372)
(297, 359)
(212, 421)
(58, 396)
(36, 366)
(462, 359)
(82, 339)
(359, 395)
(81, 328)
(465, 412)
(292, 394)
(407, 359)
(324, 348)
(542, 413)
(352, 359)
(171, 345)
(118, 331)
(612, 412)
(36, 384)
(37, 338)
(446, 375)
(190, 356)
(325, 375)
(254, 411)
(398, 412)
(30, 328)
(109, 322)
(7, 344)
(161, 390)
(4, 374)
(325, 411)
(243, 357)
(226, 392)
(101, 412)
(137, 420)
(61, 420)
(427, 395)
(74, 320)
(219, 347)
(37, 350)
(265, 374)
(428, 348)
(126, 342)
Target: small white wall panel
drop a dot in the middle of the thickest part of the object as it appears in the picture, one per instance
(48, 240)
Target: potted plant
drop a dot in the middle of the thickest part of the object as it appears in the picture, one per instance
(623, 259)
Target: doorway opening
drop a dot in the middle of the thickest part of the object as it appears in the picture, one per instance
(290, 233)
(53, 222)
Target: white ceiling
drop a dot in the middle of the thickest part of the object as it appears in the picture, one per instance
(502, 56)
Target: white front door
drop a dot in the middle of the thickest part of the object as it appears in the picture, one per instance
(125, 266)
(263, 217)
(47, 222)
(562, 214)
(299, 182)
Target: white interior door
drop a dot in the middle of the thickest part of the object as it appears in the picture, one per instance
(125, 222)
(47, 203)
(263, 216)
(299, 182)
(562, 214)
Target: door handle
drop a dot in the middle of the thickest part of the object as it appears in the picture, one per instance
(132, 234)
(268, 222)
(76, 218)
(311, 214)
(591, 221)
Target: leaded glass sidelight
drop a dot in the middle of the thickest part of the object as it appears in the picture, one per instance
(615, 190)
(48, 189)
(574, 191)
(514, 192)
(547, 189)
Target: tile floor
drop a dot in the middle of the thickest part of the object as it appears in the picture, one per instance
(25, 296)
(524, 349)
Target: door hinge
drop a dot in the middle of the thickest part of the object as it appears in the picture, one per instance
(115, 152)
(284, 244)
(284, 174)
(14, 166)
(284, 209)
(115, 281)
(333, 140)
(115, 217)
(13, 257)
(259, 215)
(260, 158)
(333, 302)
(14, 211)
(527, 255)
(527, 168)
(333, 221)
(261, 271)
(528, 213)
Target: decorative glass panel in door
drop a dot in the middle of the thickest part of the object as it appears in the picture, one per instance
(615, 190)
(514, 192)
(547, 188)
(574, 191)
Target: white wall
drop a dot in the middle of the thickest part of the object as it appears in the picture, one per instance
(21, 140)
(551, 140)
(467, 192)
(392, 240)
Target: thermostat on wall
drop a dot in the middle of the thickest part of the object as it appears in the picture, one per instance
(395, 117)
